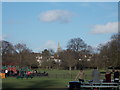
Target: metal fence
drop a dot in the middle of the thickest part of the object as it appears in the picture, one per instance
(72, 76)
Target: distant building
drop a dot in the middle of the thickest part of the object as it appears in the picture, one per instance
(54, 57)
(59, 48)
(39, 60)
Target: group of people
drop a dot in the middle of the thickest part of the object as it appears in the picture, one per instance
(14, 71)
(18, 73)
(22, 73)
(116, 75)
(96, 76)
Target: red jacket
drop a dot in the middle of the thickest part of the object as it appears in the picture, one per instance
(108, 77)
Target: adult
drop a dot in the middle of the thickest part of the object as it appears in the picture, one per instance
(80, 75)
(29, 74)
(108, 76)
(96, 75)
(116, 76)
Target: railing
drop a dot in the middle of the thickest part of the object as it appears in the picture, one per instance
(72, 76)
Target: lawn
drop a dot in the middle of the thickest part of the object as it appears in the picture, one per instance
(56, 79)
(36, 82)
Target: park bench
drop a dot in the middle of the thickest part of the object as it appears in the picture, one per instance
(99, 86)
(92, 86)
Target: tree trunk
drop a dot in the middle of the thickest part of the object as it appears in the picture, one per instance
(70, 68)
(75, 68)
(20, 59)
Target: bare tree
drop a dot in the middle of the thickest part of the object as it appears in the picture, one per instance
(76, 44)
(45, 58)
(24, 54)
(68, 58)
(20, 47)
(8, 53)
(7, 47)
(51, 51)
(110, 52)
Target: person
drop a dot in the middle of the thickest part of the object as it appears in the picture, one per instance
(6, 73)
(80, 75)
(17, 72)
(28, 74)
(21, 74)
(108, 76)
(35, 71)
(116, 76)
(96, 75)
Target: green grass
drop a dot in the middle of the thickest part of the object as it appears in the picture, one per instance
(36, 82)
(56, 79)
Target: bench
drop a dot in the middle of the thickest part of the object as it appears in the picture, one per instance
(99, 86)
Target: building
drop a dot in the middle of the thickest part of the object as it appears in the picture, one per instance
(53, 57)
(59, 48)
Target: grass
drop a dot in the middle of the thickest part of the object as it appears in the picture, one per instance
(56, 79)
(36, 82)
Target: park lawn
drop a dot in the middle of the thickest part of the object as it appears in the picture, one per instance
(65, 72)
(69, 74)
(56, 79)
(36, 82)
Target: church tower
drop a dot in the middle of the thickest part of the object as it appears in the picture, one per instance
(59, 48)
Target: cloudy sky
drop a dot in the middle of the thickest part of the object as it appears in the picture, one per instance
(42, 25)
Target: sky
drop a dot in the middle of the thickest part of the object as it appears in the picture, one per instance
(42, 25)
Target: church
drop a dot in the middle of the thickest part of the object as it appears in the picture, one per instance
(59, 49)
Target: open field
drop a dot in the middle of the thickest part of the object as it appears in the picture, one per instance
(41, 82)
(56, 79)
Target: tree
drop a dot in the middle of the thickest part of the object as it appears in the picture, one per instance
(68, 58)
(76, 44)
(110, 52)
(7, 47)
(51, 51)
(46, 54)
(25, 55)
(20, 47)
(8, 53)
(114, 48)
(45, 58)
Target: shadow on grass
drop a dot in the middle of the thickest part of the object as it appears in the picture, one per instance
(47, 85)
(33, 84)
(43, 84)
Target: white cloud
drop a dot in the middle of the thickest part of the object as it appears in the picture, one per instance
(49, 45)
(56, 15)
(111, 27)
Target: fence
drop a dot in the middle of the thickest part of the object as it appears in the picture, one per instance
(72, 76)
(62, 76)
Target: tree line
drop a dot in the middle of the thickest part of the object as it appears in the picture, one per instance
(76, 55)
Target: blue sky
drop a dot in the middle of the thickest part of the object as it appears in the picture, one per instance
(42, 25)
